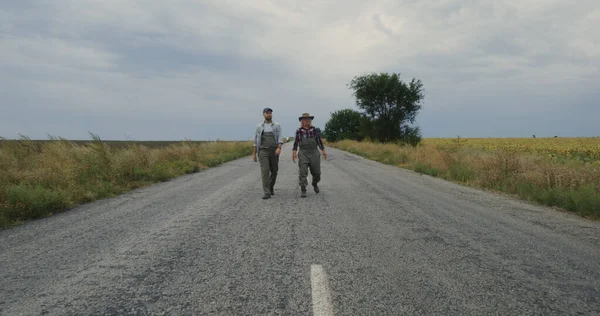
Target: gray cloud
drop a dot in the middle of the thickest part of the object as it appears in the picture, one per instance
(381, 26)
(201, 69)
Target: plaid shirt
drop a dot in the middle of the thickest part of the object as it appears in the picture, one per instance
(313, 132)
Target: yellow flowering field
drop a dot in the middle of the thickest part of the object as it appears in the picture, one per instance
(586, 148)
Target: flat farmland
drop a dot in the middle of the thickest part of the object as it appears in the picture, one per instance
(115, 144)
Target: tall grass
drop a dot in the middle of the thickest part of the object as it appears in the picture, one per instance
(570, 184)
(39, 180)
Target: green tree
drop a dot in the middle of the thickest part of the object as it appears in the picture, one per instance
(343, 124)
(390, 106)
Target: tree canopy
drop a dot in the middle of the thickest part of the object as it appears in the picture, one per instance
(344, 124)
(389, 106)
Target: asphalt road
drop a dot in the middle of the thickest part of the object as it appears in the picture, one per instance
(377, 240)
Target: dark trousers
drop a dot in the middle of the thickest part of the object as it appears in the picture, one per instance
(309, 160)
(269, 166)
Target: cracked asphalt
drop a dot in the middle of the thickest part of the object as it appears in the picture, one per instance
(390, 242)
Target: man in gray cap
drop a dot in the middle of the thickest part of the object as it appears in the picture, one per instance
(267, 143)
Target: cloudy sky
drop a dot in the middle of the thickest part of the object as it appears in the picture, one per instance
(204, 69)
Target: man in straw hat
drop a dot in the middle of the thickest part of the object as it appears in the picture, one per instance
(267, 143)
(308, 139)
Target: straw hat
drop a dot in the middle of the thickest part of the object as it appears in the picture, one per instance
(306, 115)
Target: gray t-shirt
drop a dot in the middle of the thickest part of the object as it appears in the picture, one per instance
(268, 127)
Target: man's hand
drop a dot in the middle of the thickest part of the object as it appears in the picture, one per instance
(254, 157)
(324, 154)
(278, 151)
(294, 156)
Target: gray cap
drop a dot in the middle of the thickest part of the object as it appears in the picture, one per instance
(267, 109)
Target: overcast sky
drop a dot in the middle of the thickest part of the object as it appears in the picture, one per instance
(205, 69)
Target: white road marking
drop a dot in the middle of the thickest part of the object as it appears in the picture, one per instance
(321, 298)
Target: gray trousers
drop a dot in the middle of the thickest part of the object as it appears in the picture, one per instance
(309, 160)
(269, 166)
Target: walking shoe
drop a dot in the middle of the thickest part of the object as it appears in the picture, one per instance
(316, 188)
(266, 196)
(303, 189)
(272, 191)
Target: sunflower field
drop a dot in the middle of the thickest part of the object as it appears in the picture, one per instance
(586, 149)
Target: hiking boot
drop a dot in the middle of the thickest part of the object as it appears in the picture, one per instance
(272, 191)
(266, 196)
(316, 187)
(303, 190)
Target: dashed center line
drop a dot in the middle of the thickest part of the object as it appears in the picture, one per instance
(321, 298)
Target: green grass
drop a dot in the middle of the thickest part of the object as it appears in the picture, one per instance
(41, 178)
